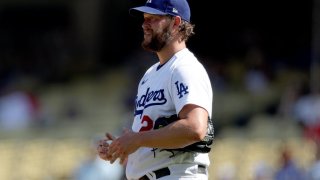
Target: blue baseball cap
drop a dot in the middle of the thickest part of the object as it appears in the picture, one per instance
(165, 7)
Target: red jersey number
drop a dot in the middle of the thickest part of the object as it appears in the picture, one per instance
(149, 123)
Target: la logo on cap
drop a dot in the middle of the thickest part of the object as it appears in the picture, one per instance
(174, 10)
(148, 1)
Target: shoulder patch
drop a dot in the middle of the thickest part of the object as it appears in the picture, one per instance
(182, 89)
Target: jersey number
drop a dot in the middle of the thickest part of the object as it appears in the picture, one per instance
(149, 123)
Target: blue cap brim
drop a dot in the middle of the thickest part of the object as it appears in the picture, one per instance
(145, 9)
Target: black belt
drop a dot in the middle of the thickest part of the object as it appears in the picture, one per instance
(166, 172)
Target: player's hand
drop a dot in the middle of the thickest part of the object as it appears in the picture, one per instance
(103, 147)
(123, 146)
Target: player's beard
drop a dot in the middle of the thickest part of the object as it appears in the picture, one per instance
(157, 41)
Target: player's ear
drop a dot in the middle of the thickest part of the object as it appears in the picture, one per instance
(177, 20)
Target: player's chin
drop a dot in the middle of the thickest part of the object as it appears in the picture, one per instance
(145, 42)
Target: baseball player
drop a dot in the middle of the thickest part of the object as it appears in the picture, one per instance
(172, 131)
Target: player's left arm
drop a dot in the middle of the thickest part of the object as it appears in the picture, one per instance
(190, 128)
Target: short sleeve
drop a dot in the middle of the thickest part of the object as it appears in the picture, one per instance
(191, 85)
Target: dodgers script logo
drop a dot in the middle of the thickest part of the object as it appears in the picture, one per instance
(149, 98)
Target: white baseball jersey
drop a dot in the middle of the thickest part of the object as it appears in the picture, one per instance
(163, 91)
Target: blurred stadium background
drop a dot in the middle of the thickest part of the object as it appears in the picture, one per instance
(69, 69)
